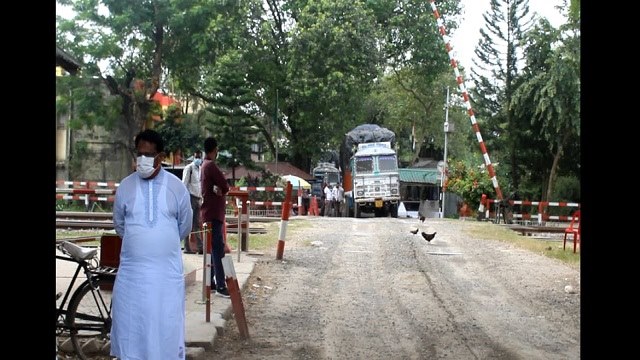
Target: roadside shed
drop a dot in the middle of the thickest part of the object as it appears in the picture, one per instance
(420, 191)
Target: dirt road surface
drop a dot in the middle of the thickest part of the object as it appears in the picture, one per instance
(369, 289)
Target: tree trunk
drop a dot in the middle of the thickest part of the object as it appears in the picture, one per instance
(554, 166)
(552, 175)
(233, 176)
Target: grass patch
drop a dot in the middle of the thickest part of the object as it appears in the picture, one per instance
(80, 235)
(269, 240)
(549, 248)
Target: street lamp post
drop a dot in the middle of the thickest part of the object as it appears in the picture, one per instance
(444, 166)
(275, 120)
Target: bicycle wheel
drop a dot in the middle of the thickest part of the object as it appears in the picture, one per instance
(89, 318)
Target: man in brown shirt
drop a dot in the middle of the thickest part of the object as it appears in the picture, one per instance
(214, 189)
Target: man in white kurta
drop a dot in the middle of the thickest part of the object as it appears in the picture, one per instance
(151, 215)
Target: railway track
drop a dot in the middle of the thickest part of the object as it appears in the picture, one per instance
(104, 221)
(84, 220)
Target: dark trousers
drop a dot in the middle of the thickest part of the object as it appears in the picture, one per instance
(195, 226)
(337, 205)
(217, 244)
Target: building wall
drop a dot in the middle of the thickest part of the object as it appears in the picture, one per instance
(106, 159)
(61, 145)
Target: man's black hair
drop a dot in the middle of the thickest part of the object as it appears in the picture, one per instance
(152, 137)
(210, 144)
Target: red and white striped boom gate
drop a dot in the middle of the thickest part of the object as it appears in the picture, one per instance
(465, 95)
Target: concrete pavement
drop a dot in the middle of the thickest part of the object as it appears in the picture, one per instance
(200, 334)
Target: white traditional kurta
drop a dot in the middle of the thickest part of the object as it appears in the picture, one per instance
(151, 216)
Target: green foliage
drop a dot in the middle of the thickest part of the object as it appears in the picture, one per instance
(70, 205)
(495, 76)
(266, 178)
(402, 99)
(567, 188)
(179, 133)
(331, 61)
(125, 45)
(79, 153)
(468, 182)
(232, 108)
(333, 65)
(87, 102)
(549, 95)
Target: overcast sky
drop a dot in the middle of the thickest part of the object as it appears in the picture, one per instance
(465, 38)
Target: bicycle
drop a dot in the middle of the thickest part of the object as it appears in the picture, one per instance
(86, 319)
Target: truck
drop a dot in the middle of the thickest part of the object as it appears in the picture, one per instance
(370, 174)
(324, 173)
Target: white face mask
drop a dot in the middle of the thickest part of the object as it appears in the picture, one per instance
(144, 166)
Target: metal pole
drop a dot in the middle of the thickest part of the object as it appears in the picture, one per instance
(275, 120)
(444, 166)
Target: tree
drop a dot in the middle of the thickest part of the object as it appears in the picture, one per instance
(550, 92)
(401, 104)
(125, 43)
(231, 103)
(498, 64)
(316, 60)
(180, 134)
(411, 93)
(331, 62)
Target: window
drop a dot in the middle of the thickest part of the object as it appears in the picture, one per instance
(364, 165)
(387, 163)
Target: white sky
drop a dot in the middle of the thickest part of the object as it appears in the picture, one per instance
(465, 38)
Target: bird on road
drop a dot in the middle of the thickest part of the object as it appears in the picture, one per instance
(428, 237)
(414, 231)
(422, 218)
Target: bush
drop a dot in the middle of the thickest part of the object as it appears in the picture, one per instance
(468, 183)
(566, 188)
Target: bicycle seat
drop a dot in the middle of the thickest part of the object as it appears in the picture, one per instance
(78, 252)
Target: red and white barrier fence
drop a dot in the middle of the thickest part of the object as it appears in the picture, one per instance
(87, 191)
(286, 209)
(86, 184)
(254, 203)
(105, 191)
(261, 189)
(541, 209)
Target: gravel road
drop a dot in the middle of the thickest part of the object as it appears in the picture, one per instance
(369, 289)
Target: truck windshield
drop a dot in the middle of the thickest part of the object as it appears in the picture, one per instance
(387, 163)
(364, 164)
(333, 178)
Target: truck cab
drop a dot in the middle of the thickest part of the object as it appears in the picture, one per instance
(375, 180)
